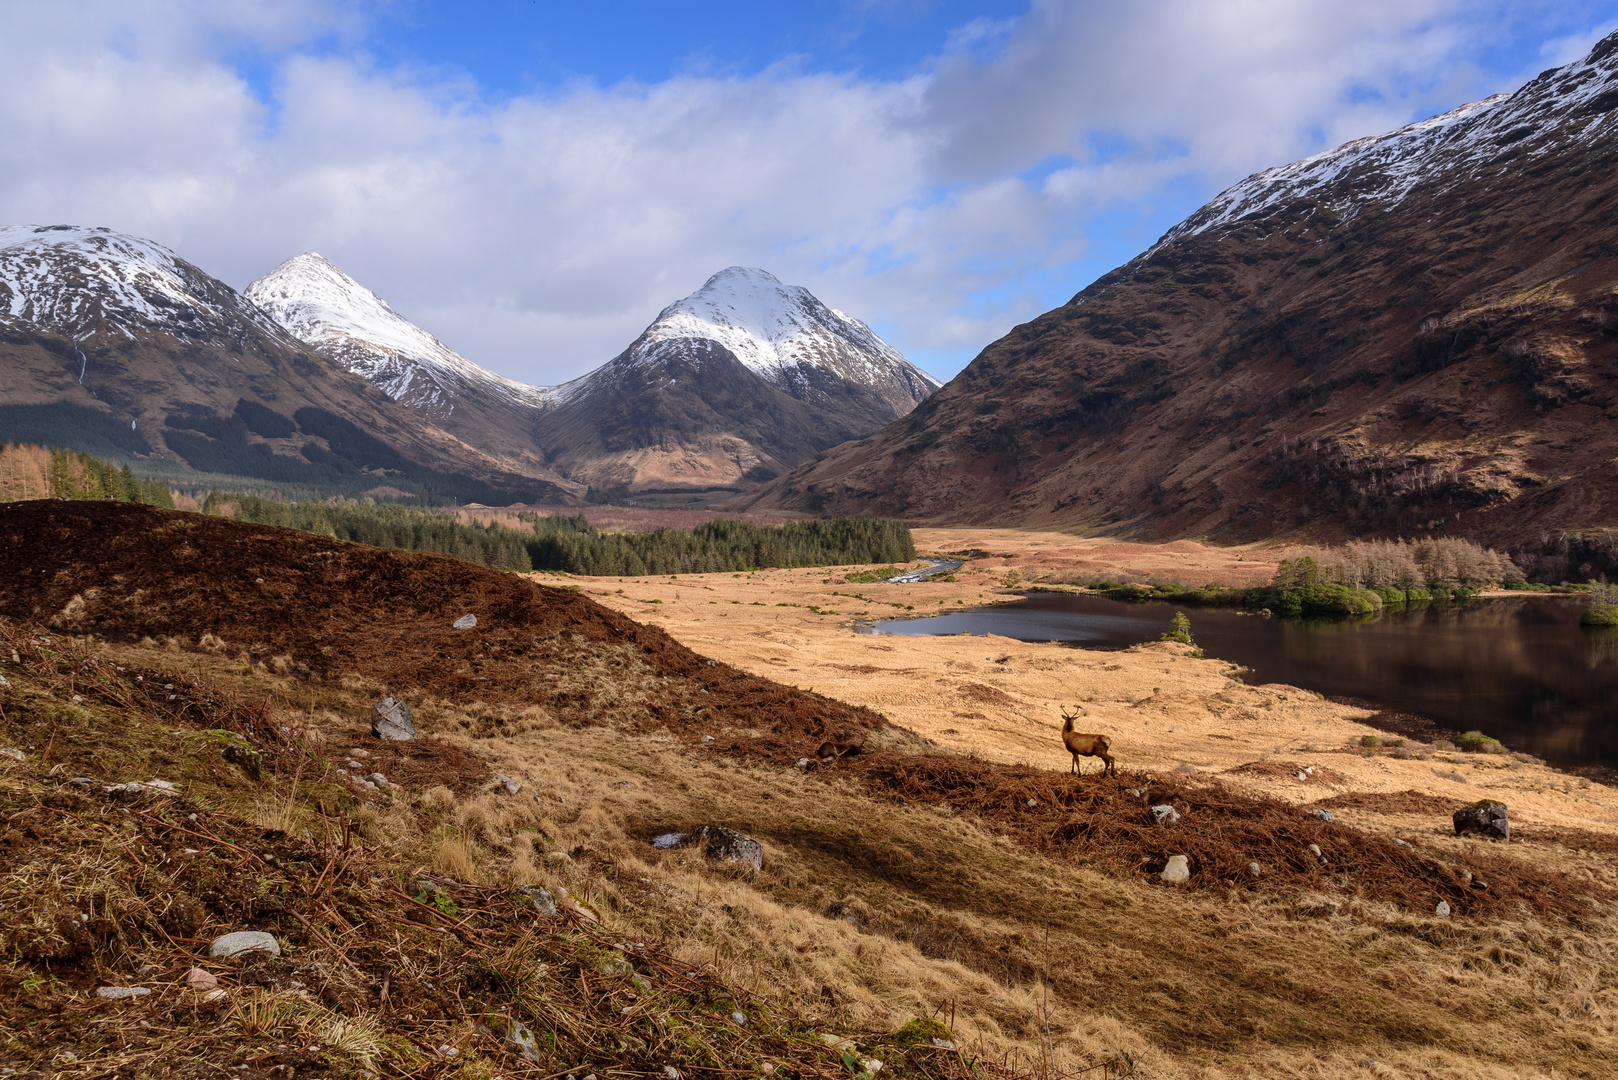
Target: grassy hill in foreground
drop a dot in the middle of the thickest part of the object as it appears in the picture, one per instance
(903, 883)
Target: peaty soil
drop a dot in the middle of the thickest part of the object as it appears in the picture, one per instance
(328, 608)
(335, 610)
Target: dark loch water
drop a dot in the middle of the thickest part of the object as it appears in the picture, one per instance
(1521, 670)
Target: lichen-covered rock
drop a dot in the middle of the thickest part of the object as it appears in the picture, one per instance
(1486, 817)
(391, 719)
(243, 941)
(727, 845)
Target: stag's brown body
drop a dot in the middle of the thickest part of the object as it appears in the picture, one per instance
(1081, 745)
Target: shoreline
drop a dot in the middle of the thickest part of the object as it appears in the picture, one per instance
(1001, 699)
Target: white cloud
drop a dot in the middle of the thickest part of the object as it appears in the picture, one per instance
(539, 233)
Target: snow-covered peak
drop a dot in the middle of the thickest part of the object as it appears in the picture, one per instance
(79, 281)
(328, 310)
(778, 330)
(1575, 103)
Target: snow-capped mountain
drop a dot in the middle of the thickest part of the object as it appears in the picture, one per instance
(728, 387)
(1414, 331)
(785, 335)
(77, 282)
(115, 344)
(739, 380)
(1574, 103)
(328, 310)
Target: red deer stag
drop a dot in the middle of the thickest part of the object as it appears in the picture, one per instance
(1086, 745)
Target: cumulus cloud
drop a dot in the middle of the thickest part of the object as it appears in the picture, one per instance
(538, 233)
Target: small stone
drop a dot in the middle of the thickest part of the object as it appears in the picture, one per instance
(1314, 849)
(1255, 869)
(244, 941)
(391, 719)
(1324, 815)
(82, 782)
(707, 738)
(1442, 908)
(1479, 884)
(668, 840)
(1403, 843)
(611, 964)
(216, 995)
(352, 764)
(739, 1016)
(1302, 775)
(671, 1072)
(198, 979)
(13, 753)
(1032, 803)
(1178, 870)
(541, 898)
(379, 781)
(1486, 817)
(1165, 815)
(465, 622)
(511, 785)
(804, 764)
(521, 1038)
(121, 993)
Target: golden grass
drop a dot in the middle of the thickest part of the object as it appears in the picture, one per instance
(871, 912)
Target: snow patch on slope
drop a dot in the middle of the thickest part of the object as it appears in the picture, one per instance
(76, 280)
(1577, 102)
(778, 331)
(328, 310)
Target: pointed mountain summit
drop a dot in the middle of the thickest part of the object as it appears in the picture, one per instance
(785, 335)
(728, 387)
(114, 344)
(328, 310)
(1411, 332)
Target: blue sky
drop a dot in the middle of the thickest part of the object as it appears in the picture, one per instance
(532, 181)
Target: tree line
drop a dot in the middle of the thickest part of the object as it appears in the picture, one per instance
(572, 545)
(34, 472)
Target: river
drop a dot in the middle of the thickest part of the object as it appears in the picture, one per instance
(1519, 669)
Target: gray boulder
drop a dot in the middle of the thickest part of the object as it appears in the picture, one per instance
(391, 719)
(541, 898)
(1486, 817)
(243, 941)
(727, 845)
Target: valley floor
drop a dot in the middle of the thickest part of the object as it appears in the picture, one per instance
(952, 872)
(1162, 709)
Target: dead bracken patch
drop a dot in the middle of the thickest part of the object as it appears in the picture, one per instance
(1389, 802)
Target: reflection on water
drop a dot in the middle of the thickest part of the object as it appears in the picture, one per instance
(1521, 670)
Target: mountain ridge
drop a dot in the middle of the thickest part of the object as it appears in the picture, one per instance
(1410, 332)
(99, 330)
(771, 376)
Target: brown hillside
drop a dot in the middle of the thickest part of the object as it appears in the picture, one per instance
(326, 607)
(1417, 332)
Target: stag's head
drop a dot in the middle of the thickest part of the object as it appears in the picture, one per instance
(1069, 717)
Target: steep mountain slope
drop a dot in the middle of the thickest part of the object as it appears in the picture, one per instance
(110, 339)
(730, 386)
(324, 308)
(1409, 332)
